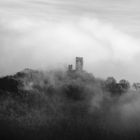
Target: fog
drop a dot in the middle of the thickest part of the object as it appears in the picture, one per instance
(46, 35)
(66, 105)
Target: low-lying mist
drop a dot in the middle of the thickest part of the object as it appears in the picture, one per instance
(67, 105)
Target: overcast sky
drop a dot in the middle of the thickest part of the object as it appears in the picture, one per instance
(48, 34)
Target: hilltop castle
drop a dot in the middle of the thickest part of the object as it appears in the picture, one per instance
(78, 65)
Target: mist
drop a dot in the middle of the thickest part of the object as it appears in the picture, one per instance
(49, 41)
(51, 101)
(65, 105)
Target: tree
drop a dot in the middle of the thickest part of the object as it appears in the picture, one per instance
(110, 80)
(110, 84)
(116, 88)
(124, 85)
(136, 86)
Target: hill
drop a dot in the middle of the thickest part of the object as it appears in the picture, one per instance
(61, 105)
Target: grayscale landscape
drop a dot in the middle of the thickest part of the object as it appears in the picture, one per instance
(69, 70)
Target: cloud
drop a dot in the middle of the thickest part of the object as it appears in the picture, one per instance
(40, 43)
(127, 112)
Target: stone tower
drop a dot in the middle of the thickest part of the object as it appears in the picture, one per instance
(70, 68)
(79, 64)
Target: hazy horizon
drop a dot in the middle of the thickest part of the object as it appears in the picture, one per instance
(46, 34)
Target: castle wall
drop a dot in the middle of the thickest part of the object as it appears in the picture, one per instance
(79, 63)
(70, 68)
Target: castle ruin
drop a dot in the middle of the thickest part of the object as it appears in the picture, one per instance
(78, 65)
(70, 68)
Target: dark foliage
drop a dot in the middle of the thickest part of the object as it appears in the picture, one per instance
(9, 84)
(59, 105)
(116, 88)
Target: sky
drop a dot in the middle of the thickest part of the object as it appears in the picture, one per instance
(49, 34)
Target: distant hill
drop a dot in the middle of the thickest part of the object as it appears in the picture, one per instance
(19, 81)
(65, 105)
